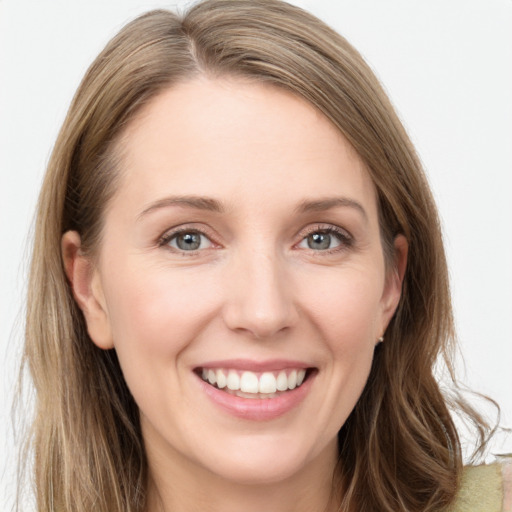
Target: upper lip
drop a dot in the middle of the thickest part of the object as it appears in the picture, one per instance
(255, 366)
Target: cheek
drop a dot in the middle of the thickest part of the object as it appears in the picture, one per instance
(346, 307)
(156, 313)
(343, 308)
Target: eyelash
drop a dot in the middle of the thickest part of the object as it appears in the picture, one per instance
(345, 239)
(167, 237)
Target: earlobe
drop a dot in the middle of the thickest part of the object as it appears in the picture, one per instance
(87, 289)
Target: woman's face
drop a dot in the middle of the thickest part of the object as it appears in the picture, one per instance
(241, 247)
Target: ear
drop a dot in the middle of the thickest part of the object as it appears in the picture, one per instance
(394, 279)
(87, 289)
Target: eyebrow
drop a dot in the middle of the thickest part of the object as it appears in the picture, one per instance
(213, 205)
(195, 202)
(328, 203)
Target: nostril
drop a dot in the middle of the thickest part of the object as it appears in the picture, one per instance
(260, 325)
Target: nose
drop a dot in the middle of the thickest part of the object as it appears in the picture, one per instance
(260, 298)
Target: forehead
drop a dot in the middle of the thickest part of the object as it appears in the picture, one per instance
(240, 141)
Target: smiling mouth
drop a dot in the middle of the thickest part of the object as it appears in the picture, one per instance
(255, 385)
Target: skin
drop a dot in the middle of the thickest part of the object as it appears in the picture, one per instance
(254, 289)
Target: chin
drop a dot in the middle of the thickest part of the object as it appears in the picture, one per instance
(258, 470)
(262, 460)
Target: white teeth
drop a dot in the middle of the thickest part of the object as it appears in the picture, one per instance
(233, 381)
(249, 382)
(260, 396)
(282, 381)
(221, 379)
(212, 377)
(292, 379)
(242, 394)
(268, 383)
(265, 385)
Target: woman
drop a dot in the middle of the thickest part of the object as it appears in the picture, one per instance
(244, 282)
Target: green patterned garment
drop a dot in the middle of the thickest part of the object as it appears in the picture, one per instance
(486, 488)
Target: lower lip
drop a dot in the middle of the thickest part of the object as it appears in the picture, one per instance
(258, 409)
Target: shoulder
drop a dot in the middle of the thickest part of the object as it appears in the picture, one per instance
(485, 488)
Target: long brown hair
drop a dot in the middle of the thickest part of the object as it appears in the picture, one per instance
(399, 449)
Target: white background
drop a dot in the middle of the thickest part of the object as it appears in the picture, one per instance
(447, 65)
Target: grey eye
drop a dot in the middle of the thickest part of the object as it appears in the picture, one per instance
(189, 241)
(320, 241)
